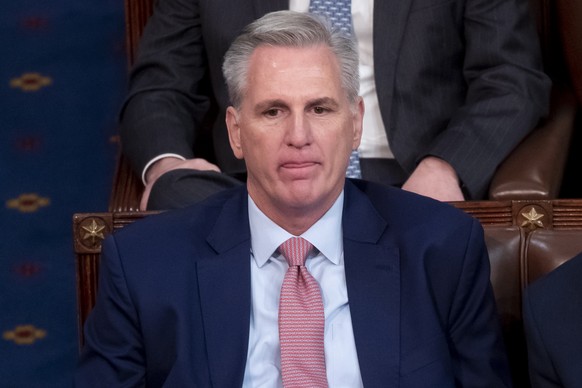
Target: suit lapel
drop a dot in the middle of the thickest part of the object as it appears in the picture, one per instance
(390, 19)
(373, 282)
(224, 282)
(372, 265)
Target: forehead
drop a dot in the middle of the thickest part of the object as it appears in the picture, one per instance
(274, 57)
(293, 70)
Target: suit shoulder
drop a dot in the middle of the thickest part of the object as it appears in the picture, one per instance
(394, 203)
(195, 219)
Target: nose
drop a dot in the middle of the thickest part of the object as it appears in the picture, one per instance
(299, 131)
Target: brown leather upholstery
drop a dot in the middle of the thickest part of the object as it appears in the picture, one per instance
(535, 169)
(505, 245)
(548, 249)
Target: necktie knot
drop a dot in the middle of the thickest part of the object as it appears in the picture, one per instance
(295, 250)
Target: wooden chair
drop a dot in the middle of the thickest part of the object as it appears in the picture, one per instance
(525, 239)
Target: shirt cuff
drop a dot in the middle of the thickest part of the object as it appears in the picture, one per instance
(162, 156)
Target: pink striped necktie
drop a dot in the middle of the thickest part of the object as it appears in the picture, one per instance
(301, 321)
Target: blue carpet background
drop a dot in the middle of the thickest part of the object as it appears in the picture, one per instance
(62, 80)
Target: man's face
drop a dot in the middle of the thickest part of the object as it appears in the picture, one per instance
(295, 128)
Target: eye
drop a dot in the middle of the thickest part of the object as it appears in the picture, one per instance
(273, 112)
(319, 110)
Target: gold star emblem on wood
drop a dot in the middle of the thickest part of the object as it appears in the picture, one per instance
(94, 231)
(532, 219)
(90, 231)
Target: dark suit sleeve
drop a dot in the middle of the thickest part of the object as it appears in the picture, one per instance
(167, 97)
(477, 349)
(507, 92)
(113, 353)
(541, 368)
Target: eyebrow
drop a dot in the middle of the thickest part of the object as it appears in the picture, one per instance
(278, 103)
(268, 104)
(323, 101)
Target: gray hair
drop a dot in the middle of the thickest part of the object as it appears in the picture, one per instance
(289, 29)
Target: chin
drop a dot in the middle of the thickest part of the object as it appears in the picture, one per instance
(308, 198)
(300, 198)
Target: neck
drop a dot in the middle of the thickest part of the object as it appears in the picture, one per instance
(298, 223)
(294, 219)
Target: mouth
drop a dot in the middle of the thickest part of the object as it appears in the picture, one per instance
(298, 169)
(298, 165)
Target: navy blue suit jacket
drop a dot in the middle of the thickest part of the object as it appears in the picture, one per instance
(552, 314)
(173, 305)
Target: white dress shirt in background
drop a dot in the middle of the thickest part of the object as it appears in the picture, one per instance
(374, 140)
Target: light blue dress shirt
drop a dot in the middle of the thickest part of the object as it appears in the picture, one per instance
(267, 271)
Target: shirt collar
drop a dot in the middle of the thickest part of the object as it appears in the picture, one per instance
(325, 234)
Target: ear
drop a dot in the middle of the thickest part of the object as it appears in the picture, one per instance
(358, 122)
(233, 127)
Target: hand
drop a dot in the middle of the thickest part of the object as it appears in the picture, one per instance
(435, 178)
(164, 165)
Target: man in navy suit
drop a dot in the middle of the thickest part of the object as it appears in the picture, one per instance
(451, 87)
(552, 314)
(191, 297)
